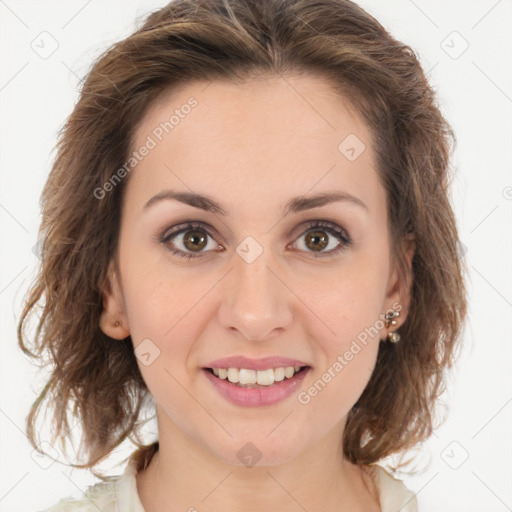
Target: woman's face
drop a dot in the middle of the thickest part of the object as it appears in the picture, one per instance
(253, 277)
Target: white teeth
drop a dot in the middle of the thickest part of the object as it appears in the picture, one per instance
(233, 375)
(289, 371)
(246, 377)
(278, 374)
(265, 377)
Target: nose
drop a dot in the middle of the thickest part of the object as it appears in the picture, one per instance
(256, 300)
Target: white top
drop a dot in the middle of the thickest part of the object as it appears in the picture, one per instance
(119, 494)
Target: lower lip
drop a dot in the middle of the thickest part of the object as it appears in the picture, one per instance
(255, 397)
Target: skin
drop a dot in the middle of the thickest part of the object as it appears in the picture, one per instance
(251, 147)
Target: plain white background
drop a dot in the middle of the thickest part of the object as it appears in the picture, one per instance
(466, 48)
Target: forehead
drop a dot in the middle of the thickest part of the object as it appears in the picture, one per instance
(290, 134)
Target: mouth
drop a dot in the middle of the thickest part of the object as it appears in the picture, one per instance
(257, 379)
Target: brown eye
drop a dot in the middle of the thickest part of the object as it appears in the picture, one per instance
(321, 235)
(317, 240)
(194, 240)
(191, 241)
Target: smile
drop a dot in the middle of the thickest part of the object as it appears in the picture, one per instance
(245, 377)
(246, 390)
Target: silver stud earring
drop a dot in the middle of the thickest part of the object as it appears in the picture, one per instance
(394, 337)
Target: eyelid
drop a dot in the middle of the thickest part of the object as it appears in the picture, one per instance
(333, 228)
(327, 225)
(168, 233)
(188, 225)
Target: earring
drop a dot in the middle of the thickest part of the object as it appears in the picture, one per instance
(394, 337)
(116, 323)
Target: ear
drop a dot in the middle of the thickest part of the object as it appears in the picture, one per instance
(398, 296)
(113, 319)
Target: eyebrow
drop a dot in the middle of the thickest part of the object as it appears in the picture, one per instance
(295, 205)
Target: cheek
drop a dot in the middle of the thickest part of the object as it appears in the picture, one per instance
(351, 308)
(158, 293)
(160, 318)
(350, 302)
(346, 360)
(166, 323)
(335, 390)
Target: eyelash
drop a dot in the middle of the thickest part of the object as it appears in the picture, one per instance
(329, 227)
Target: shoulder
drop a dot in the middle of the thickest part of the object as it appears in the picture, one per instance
(114, 494)
(101, 496)
(393, 494)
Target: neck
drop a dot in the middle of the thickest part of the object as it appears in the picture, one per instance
(187, 476)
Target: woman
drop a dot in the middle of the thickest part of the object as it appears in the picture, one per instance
(247, 225)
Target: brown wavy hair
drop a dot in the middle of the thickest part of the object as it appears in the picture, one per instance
(190, 40)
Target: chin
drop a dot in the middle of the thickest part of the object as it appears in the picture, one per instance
(258, 451)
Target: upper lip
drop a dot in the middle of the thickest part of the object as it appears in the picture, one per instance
(254, 364)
